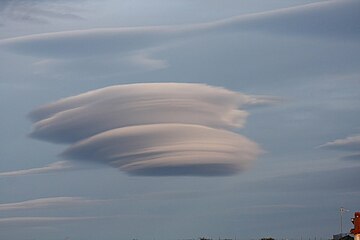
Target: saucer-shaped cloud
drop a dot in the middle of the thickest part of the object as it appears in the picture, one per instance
(153, 128)
(76, 118)
(168, 149)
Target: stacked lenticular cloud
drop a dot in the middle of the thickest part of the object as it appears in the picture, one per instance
(153, 129)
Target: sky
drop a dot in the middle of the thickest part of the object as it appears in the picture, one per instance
(180, 119)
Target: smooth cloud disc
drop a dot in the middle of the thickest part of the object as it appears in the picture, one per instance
(153, 129)
(168, 149)
(76, 118)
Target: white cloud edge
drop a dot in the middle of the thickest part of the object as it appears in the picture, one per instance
(25, 221)
(343, 142)
(136, 56)
(151, 36)
(50, 202)
(52, 167)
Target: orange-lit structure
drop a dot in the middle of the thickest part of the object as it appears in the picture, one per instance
(356, 229)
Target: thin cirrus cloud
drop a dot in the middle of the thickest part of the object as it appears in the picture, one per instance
(143, 61)
(352, 157)
(36, 221)
(330, 19)
(46, 203)
(36, 11)
(153, 129)
(52, 167)
(126, 50)
(350, 144)
(49, 203)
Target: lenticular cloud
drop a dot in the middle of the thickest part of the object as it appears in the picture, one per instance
(156, 129)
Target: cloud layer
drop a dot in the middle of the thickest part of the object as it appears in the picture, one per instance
(334, 19)
(48, 202)
(38, 11)
(53, 167)
(132, 49)
(351, 144)
(168, 149)
(153, 129)
(79, 117)
(35, 221)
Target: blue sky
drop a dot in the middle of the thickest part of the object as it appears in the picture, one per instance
(244, 119)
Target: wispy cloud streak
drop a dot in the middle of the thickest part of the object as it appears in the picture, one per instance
(36, 11)
(35, 221)
(350, 144)
(133, 49)
(49, 202)
(53, 167)
(334, 19)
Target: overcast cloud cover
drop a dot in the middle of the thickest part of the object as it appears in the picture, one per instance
(178, 89)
